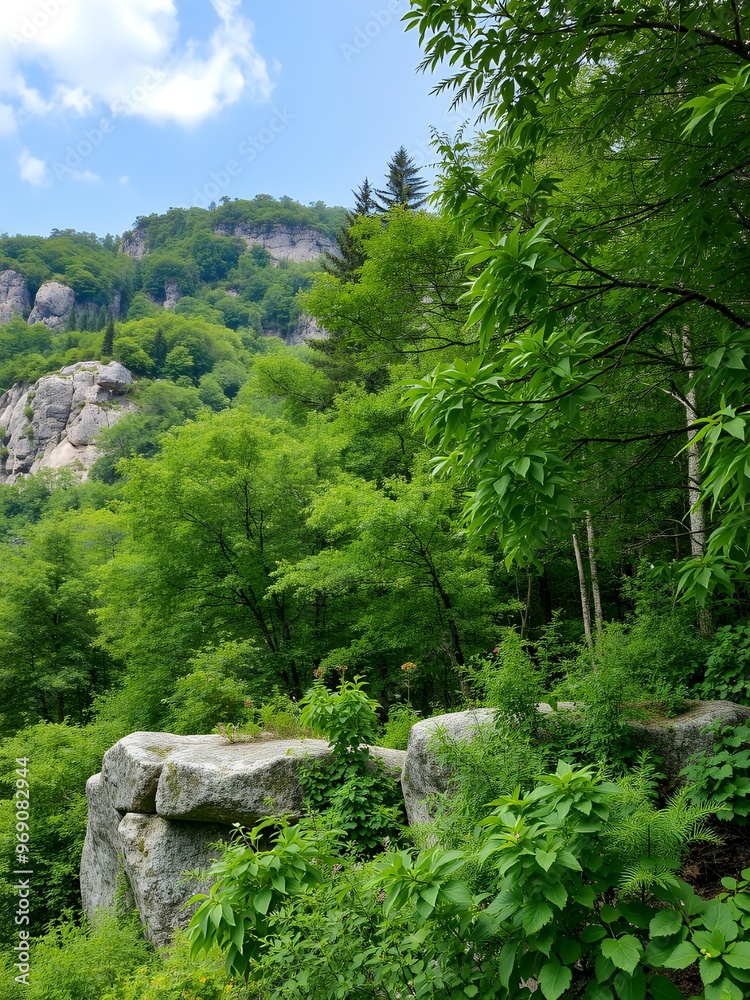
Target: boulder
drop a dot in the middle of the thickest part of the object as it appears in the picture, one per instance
(156, 853)
(423, 776)
(675, 740)
(14, 296)
(53, 305)
(101, 862)
(235, 782)
(132, 767)
(114, 377)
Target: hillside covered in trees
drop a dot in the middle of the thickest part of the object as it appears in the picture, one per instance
(514, 470)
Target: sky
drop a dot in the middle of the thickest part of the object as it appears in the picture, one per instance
(110, 109)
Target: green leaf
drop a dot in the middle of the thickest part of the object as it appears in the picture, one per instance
(683, 955)
(554, 979)
(629, 987)
(738, 955)
(262, 900)
(624, 952)
(665, 923)
(534, 915)
(664, 989)
(545, 859)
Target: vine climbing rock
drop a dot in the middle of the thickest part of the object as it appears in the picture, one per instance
(162, 800)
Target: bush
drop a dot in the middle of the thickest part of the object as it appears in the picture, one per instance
(723, 776)
(727, 674)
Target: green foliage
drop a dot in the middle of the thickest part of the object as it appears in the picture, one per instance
(396, 730)
(509, 681)
(723, 775)
(346, 717)
(553, 904)
(249, 885)
(491, 760)
(584, 200)
(74, 962)
(727, 671)
(360, 794)
(61, 758)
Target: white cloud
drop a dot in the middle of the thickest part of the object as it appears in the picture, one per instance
(32, 169)
(7, 119)
(124, 179)
(127, 56)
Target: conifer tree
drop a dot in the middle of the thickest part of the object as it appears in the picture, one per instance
(108, 344)
(403, 185)
(346, 263)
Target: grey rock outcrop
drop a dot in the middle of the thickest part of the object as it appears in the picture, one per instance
(14, 296)
(155, 854)
(134, 245)
(162, 800)
(53, 305)
(55, 423)
(172, 293)
(423, 775)
(283, 242)
(674, 740)
(235, 783)
(102, 848)
(306, 330)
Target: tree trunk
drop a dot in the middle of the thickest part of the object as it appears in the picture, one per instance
(694, 450)
(594, 575)
(584, 595)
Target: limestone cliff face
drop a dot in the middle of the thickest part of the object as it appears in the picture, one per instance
(134, 245)
(283, 242)
(54, 423)
(14, 296)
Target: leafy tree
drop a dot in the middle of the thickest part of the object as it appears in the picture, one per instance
(597, 279)
(404, 187)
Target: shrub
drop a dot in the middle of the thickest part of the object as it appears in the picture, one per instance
(723, 776)
(727, 673)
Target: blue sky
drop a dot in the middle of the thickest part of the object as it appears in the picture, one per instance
(114, 108)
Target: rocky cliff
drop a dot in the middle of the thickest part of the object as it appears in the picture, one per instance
(55, 422)
(14, 296)
(283, 242)
(161, 801)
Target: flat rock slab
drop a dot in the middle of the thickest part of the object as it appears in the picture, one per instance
(235, 782)
(132, 767)
(156, 853)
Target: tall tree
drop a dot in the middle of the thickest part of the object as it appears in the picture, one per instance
(403, 185)
(108, 344)
(347, 263)
(607, 215)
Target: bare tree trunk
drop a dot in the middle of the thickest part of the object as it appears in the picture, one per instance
(584, 595)
(594, 575)
(694, 450)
